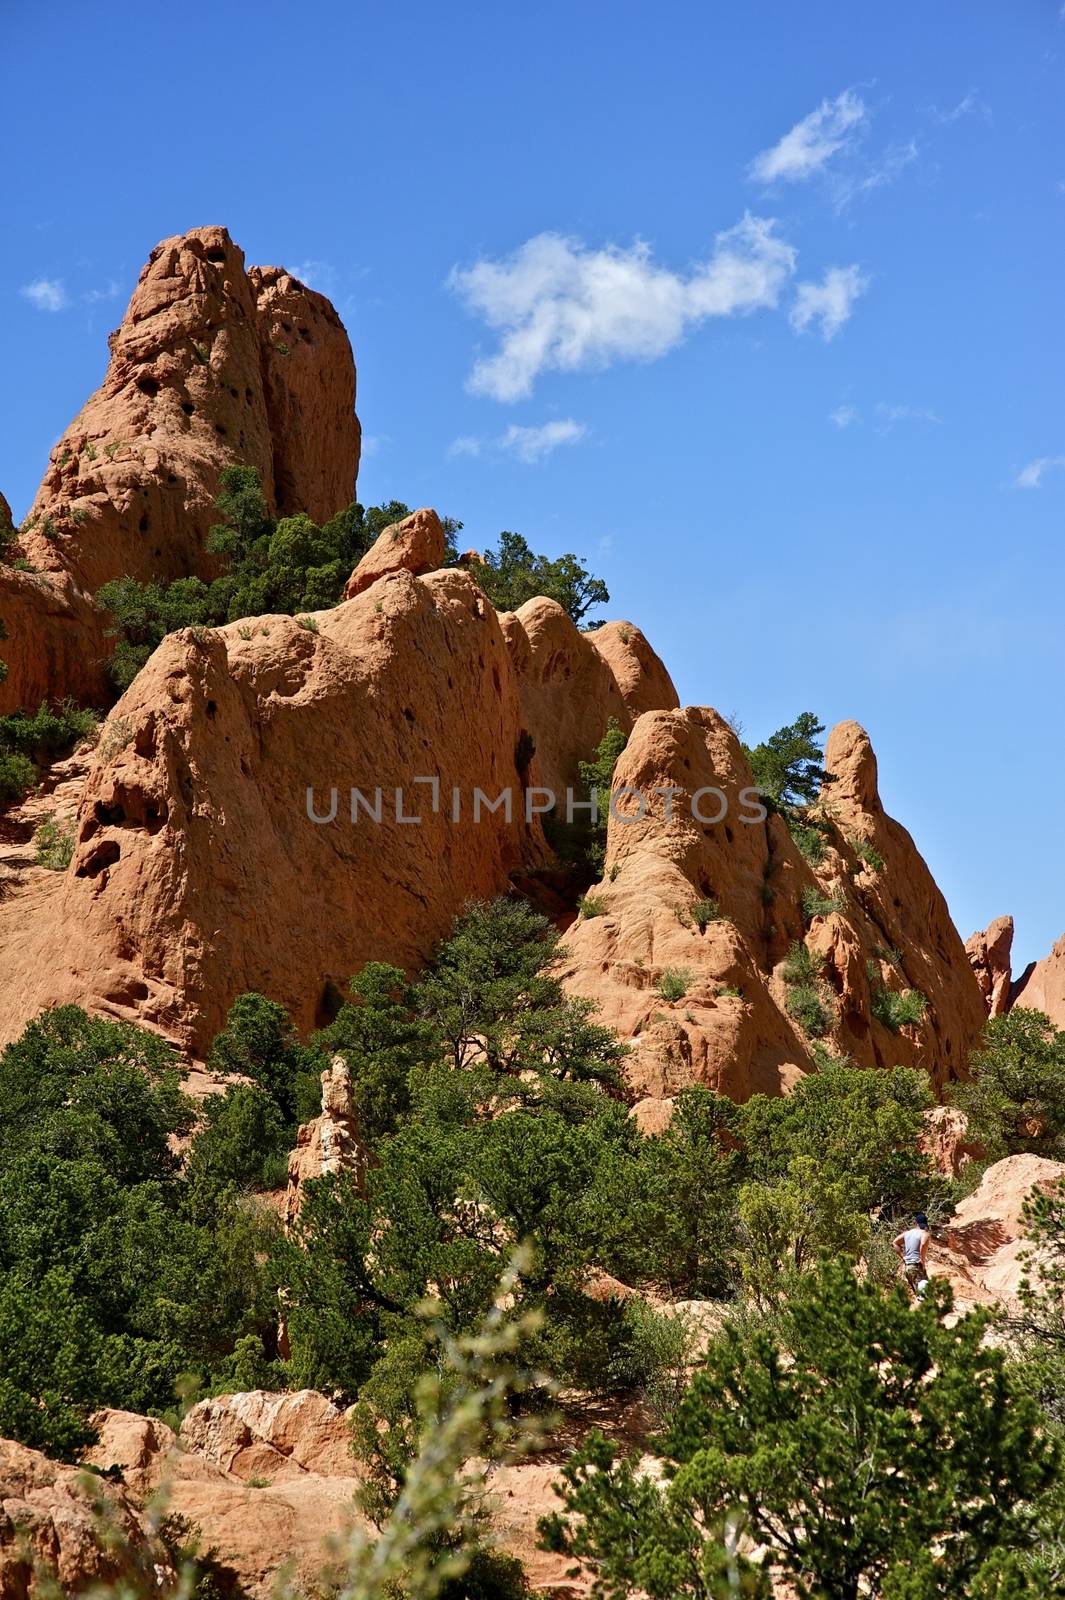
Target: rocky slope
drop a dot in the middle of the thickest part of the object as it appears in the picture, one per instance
(212, 363)
(878, 927)
(1041, 986)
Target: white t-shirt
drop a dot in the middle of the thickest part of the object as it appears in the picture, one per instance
(911, 1246)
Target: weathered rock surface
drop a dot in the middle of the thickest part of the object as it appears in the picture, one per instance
(572, 683)
(264, 1477)
(1041, 987)
(48, 1515)
(731, 1029)
(989, 957)
(198, 874)
(330, 1143)
(415, 545)
(212, 364)
(980, 1248)
(945, 1140)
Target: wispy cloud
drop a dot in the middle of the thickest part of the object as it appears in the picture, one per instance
(804, 150)
(843, 416)
(320, 275)
(829, 302)
(561, 306)
(890, 415)
(93, 297)
(467, 444)
(877, 175)
(47, 294)
(969, 105)
(532, 444)
(373, 444)
(529, 444)
(1031, 476)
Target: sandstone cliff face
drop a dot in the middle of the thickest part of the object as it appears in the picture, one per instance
(989, 956)
(1041, 986)
(211, 365)
(572, 683)
(731, 1028)
(197, 872)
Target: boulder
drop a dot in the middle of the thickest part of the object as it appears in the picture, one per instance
(1041, 987)
(77, 1529)
(944, 1140)
(414, 545)
(271, 1435)
(989, 957)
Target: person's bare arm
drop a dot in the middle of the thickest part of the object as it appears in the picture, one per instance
(924, 1246)
(898, 1244)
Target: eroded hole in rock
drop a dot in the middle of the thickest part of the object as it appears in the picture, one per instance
(143, 523)
(188, 407)
(232, 391)
(105, 855)
(305, 336)
(111, 816)
(220, 428)
(171, 477)
(248, 397)
(154, 816)
(524, 751)
(216, 255)
(408, 713)
(148, 386)
(329, 1004)
(212, 709)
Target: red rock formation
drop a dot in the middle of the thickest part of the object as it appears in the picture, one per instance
(944, 1140)
(212, 364)
(730, 1028)
(572, 683)
(989, 957)
(197, 873)
(414, 545)
(1041, 986)
(48, 1516)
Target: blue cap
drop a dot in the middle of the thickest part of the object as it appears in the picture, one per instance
(921, 1219)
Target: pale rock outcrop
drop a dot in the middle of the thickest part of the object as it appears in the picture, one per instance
(415, 545)
(980, 1249)
(1041, 986)
(289, 1494)
(49, 1517)
(989, 956)
(212, 364)
(731, 1028)
(330, 1143)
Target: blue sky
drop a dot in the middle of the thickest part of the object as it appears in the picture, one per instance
(757, 307)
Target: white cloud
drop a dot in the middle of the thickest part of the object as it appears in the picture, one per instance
(560, 306)
(1031, 476)
(47, 294)
(829, 302)
(466, 445)
(804, 150)
(843, 416)
(889, 415)
(372, 443)
(532, 444)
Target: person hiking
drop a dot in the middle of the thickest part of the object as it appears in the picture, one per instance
(910, 1246)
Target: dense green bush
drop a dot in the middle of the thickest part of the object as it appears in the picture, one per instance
(512, 574)
(867, 1446)
(31, 741)
(1015, 1100)
(893, 1008)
